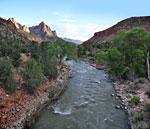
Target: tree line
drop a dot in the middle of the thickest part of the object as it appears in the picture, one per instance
(128, 58)
(42, 64)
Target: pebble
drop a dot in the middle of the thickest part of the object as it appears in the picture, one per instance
(116, 97)
(4, 117)
(125, 108)
(117, 107)
(112, 94)
(141, 100)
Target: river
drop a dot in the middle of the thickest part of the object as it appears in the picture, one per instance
(86, 104)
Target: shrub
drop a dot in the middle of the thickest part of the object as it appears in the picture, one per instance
(147, 107)
(139, 117)
(148, 93)
(10, 84)
(135, 100)
(134, 86)
(141, 80)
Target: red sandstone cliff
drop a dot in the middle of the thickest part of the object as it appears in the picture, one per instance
(108, 34)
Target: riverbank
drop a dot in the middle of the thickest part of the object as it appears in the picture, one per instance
(22, 108)
(138, 114)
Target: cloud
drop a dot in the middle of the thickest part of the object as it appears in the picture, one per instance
(80, 32)
(63, 17)
(68, 27)
(66, 20)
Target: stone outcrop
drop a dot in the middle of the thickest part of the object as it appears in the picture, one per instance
(19, 26)
(127, 24)
(25, 29)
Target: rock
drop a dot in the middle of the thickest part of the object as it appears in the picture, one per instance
(4, 117)
(117, 107)
(125, 108)
(7, 95)
(18, 109)
(116, 97)
(122, 98)
(141, 100)
(122, 103)
(112, 94)
(25, 29)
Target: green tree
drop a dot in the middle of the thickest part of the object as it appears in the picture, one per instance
(102, 57)
(6, 75)
(16, 57)
(80, 50)
(34, 50)
(115, 62)
(49, 66)
(32, 75)
(129, 52)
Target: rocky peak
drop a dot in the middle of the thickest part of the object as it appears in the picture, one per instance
(44, 31)
(37, 33)
(19, 26)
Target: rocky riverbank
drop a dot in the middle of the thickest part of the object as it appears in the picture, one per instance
(139, 109)
(23, 111)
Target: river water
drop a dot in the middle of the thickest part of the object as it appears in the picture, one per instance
(86, 104)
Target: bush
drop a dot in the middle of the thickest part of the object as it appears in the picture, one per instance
(141, 80)
(134, 86)
(148, 93)
(147, 107)
(10, 84)
(135, 100)
(139, 117)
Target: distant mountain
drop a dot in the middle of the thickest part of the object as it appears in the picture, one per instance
(73, 41)
(43, 31)
(38, 32)
(127, 24)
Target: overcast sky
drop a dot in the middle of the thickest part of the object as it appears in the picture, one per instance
(76, 19)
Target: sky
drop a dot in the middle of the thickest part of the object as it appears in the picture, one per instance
(76, 19)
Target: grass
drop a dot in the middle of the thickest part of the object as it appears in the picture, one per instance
(135, 100)
(141, 80)
(147, 107)
(139, 117)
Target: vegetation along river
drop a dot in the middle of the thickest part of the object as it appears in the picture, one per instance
(86, 104)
